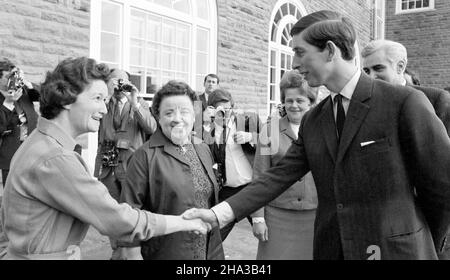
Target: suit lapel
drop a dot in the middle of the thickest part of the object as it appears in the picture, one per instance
(329, 128)
(356, 114)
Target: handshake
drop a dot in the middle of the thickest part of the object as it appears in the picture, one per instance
(199, 221)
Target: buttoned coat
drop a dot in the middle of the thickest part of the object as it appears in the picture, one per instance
(159, 180)
(393, 158)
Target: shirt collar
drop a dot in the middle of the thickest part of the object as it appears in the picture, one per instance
(56, 132)
(350, 87)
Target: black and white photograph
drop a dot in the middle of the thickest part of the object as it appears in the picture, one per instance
(237, 131)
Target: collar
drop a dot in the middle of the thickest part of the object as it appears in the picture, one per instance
(56, 132)
(350, 87)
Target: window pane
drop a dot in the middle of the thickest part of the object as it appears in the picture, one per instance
(412, 5)
(136, 52)
(110, 17)
(404, 6)
(151, 85)
(277, 17)
(283, 60)
(109, 47)
(182, 60)
(154, 28)
(203, 9)
(426, 3)
(202, 40)
(202, 63)
(182, 6)
(289, 63)
(152, 55)
(292, 9)
(154, 77)
(272, 75)
(274, 32)
(137, 24)
(168, 32)
(183, 36)
(284, 9)
(419, 4)
(167, 58)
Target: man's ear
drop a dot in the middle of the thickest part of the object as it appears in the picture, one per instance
(401, 66)
(332, 50)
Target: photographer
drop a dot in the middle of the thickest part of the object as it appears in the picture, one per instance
(232, 138)
(122, 131)
(17, 115)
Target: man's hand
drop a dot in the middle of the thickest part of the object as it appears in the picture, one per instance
(207, 216)
(196, 225)
(12, 96)
(242, 137)
(260, 231)
(133, 97)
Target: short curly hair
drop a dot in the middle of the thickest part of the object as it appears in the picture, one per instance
(293, 79)
(70, 78)
(172, 88)
(5, 65)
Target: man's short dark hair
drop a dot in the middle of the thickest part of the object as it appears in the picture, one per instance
(172, 88)
(323, 26)
(5, 65)
(70, 78)
(212, 76)
(220, 95)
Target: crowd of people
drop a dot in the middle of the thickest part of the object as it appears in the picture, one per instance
(362, 174)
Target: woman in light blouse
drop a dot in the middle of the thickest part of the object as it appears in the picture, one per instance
(50, 197)
(285, 227)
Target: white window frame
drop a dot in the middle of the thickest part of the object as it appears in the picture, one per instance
(398, 8)
(275, 46)
(378, 18)
(169, 13)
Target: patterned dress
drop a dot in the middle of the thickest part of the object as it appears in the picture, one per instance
(203, 192)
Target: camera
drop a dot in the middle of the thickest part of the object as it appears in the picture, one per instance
(15, 80)
(110, 154)
(123, 86)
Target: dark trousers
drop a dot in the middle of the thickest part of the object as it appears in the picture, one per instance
(225, 193)
(5, 173)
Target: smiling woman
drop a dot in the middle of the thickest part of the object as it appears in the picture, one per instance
(50, 198)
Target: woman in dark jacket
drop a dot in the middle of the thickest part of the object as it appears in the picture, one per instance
(171, 173)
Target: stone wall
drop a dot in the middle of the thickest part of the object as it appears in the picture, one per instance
(37, 34)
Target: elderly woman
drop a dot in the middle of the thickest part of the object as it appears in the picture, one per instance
(171, 173)
(285, 226)
(50, 196)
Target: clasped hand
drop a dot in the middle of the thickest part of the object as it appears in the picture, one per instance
(207, 216)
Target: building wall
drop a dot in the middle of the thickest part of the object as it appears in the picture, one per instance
(426, 35)
(37, 34)
(243, 34)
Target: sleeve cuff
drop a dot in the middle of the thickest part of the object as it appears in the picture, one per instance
(9, 106)
(224, 213)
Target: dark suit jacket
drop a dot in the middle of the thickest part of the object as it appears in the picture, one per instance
(440, 99)
(159, 180)
(10, 142)
(366, 192)
(202, 98)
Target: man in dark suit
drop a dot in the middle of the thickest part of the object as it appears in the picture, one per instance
(17, 115)
(387, 60)
(370, 145)
(211, 83)
(231, 136)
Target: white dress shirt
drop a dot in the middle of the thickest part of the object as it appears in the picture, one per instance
(238, 169)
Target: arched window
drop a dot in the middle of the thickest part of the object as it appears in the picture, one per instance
(156, 40)
(284, 17)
